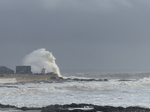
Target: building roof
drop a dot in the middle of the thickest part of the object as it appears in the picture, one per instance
(20, 67)
(3, 68)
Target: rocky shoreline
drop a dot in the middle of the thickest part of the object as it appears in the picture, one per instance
(61, 80)
(78, 108)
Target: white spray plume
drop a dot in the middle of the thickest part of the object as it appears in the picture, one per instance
(41, 58)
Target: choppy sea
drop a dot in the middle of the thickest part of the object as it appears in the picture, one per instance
(121, 89)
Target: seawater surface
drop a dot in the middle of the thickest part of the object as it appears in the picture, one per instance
(121, 89)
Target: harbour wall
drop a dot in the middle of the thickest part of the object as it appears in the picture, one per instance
(24, 78)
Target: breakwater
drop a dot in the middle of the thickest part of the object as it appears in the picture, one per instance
(23, 78)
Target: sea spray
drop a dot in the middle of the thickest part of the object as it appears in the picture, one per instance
(41, 58)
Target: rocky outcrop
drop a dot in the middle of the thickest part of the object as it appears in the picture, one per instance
(91, 108)
(79, 108)
(78, 79)
(16, 108)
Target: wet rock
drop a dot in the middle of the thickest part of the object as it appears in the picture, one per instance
(29, 108)
(80, 108)
(6, 106)
(91, 108)
(77, 79)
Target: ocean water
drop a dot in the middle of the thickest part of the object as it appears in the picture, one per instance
(121, 89)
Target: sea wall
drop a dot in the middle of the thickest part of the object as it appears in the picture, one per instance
(24, 78)
(7, 80)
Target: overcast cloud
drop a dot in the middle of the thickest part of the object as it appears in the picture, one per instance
(83, 35)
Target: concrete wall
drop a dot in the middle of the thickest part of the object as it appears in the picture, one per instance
(23, 78)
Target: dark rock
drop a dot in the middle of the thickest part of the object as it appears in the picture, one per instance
(80, 108)
(92, 108)
(29, 108)
(76, 79)
(124, 80)
(6, 106)
(105, 79)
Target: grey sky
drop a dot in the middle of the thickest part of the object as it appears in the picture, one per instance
(83, 35)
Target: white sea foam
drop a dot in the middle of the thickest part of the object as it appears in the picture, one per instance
(41, 58)
(113, 93)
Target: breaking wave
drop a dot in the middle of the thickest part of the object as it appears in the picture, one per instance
(41, 58)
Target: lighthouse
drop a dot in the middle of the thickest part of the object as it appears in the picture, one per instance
(43, 71)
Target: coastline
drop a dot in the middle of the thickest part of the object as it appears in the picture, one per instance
(72, 108)
(26, 77)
